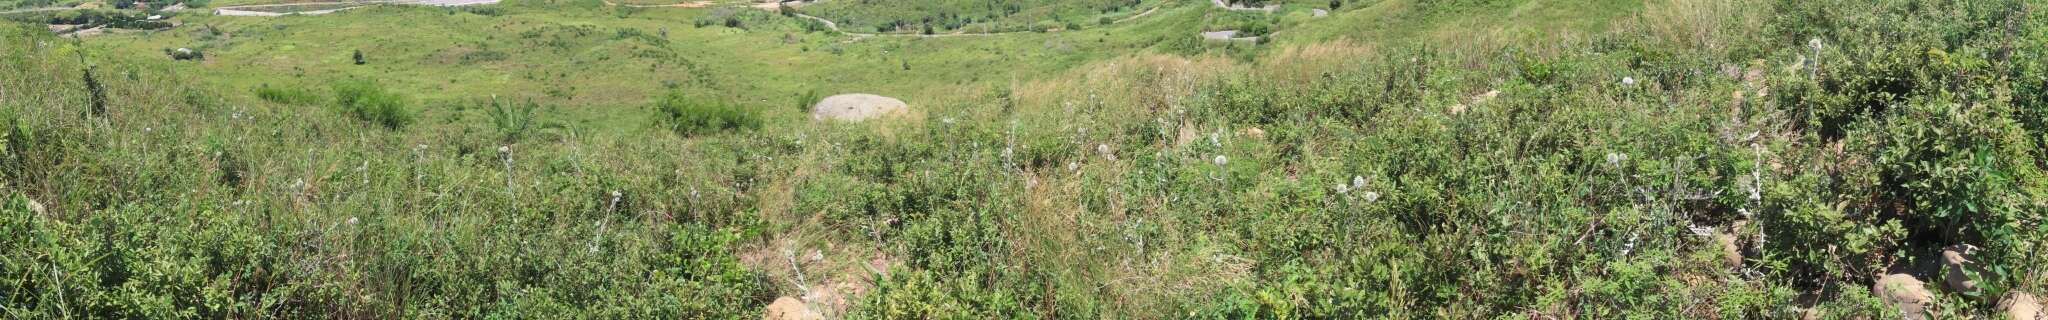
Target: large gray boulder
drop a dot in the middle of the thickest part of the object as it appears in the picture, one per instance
(856, 107)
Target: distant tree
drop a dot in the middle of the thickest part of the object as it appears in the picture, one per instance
(1336, 4)
(359, 57)
(927, 29)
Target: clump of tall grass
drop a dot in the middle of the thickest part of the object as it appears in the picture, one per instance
(287, 95)
(367, 101)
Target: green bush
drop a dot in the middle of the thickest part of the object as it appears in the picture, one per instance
(1937, 155)
(512, 119)
(371, 103)
(691, 116)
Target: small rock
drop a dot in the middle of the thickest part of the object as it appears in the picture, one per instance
(787, 308)
(1255, 133)
(37, 207)
(1484, 97)
(1730, 250)
(1904, 293)
(1814, 313)
(1956, 268)
(2021, 306)
(1458, 109)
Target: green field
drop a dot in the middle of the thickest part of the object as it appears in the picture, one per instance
(1463, 159)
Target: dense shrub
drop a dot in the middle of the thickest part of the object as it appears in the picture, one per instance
(185, 54)
(1941, 158)
(692, 116)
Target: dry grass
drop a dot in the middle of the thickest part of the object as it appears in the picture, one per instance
(1702, 24)
(1307, 62)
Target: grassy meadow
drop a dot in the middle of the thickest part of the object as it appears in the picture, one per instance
(1688, 159)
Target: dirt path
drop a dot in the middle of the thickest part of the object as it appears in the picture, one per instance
(1268, 8)
(1140, 15)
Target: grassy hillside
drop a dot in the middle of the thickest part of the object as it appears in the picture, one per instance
(946, 16)
(1396, 159)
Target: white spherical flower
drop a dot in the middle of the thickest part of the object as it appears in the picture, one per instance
(504, 149)
(1357, 182)
(351, 221)
(1372, 196)
(1343, 188)
(1102, 149)
(1629, 81)
(1222, 161)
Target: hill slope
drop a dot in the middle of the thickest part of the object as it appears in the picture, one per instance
(1399, 159)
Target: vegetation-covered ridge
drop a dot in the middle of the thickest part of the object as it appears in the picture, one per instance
(1692, 159)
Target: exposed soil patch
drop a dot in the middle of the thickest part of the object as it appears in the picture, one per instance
(1226, 35)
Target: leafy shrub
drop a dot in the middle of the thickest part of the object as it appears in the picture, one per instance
(185, 54)
(1938, 157)
(512, 119)
(691, 116)
(371, 103)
